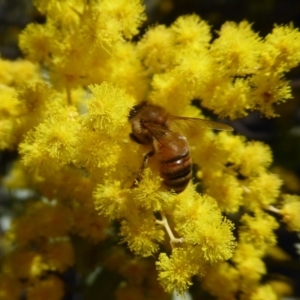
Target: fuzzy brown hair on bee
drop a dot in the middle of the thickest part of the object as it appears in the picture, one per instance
(151, 126)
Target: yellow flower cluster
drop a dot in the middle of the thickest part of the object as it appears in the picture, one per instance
(65, 110)
(235, 73)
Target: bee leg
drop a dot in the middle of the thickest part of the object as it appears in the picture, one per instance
(146, 158)
(145, 161)
(134, 138)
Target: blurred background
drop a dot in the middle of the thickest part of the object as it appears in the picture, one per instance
(282, 134)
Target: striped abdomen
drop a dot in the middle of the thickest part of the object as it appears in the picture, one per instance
(175, 164)
(176, 171)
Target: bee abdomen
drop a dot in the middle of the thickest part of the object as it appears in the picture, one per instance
(177, 172)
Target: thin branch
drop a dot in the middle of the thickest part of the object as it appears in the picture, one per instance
(164, 222)
(274, 209)
(246, 189)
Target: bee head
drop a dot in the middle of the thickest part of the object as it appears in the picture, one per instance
(136, 109)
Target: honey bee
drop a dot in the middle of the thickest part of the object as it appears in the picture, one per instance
(151, 126)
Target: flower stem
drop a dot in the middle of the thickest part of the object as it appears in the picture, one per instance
(164, 222)
(274, 209)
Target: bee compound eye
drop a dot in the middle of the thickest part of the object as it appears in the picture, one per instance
(136, 109)
(132, 113)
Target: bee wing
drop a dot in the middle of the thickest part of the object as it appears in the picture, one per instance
(198, 122)
(163, 135)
